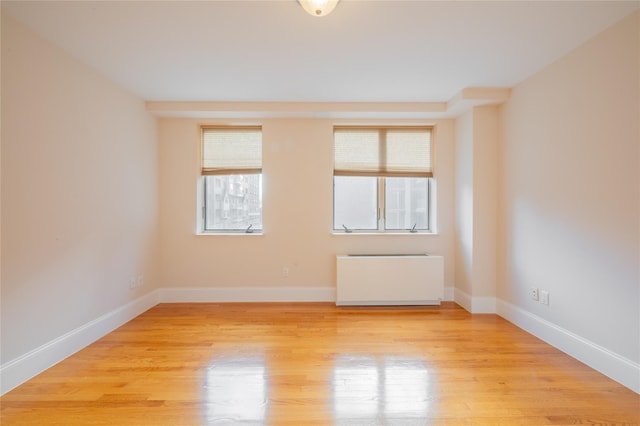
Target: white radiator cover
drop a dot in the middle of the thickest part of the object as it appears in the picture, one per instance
(390, 280)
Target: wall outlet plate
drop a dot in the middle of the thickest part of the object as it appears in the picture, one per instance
(533, 292)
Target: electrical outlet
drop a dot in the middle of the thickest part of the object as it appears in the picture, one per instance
(534, 293)
(132, 283)
(285, 272)
(544, 297)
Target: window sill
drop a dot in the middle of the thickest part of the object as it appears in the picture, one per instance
(383, 233)
(230, 234)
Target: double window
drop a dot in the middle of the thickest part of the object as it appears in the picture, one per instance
(232, 179)
(382, 179)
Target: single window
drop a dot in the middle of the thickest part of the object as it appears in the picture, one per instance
(382, 179)
(232, 179)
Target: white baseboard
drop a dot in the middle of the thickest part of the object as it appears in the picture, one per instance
(462, 298)
(257, 294)
(23, 368)
(247, 294)
(449, 294)
(618, 368)
(475, 305)
(483, 305)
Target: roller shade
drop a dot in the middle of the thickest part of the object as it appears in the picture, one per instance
(231, 150)
(383, 151)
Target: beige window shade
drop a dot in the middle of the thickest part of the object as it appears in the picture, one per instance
(231, 150)
(383, 151)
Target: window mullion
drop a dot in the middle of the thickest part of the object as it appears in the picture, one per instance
(204, 202)
(382, 135)
(381, 204)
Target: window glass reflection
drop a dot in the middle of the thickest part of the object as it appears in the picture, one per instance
(406, 388)
(393, 389)
(355, 387)
(236, 391)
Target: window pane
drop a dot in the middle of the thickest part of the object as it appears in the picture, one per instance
(407, 203)
(355, 202)
(233, 202)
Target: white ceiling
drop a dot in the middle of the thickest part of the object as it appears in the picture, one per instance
(273, 51)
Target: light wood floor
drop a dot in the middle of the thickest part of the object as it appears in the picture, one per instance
(300, 364)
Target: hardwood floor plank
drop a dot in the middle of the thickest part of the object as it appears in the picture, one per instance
(314, 363)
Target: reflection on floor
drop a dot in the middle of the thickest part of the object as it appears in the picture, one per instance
(236, 390)
(392, 389)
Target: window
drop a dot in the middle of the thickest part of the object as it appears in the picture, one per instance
(232, 179)
(382, 179)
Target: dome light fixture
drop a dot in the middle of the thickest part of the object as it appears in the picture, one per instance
(318, 7)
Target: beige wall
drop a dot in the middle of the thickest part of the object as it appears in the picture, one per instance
(476, 208)
(297, 170)
(464, 207)
(79, 193)
(485, 125)
(570, 189)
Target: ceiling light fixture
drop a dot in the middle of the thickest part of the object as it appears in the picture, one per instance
(318, 7)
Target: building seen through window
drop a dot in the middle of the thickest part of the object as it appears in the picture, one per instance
(233, 202)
